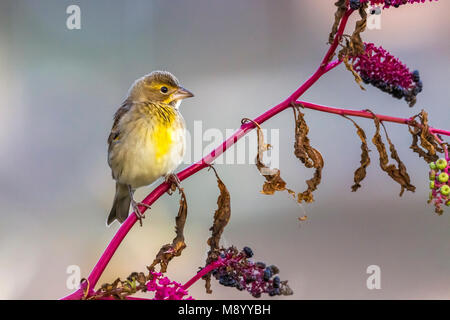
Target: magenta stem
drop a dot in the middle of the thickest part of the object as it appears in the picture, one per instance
(210, 267)
(365, 114)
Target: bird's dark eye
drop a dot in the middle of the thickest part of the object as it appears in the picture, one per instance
(164, 89)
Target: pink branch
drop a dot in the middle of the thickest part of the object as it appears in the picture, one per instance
(210, 267)
(365, 114)
(337, 39)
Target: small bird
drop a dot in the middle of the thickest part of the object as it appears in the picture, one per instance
(147, 140)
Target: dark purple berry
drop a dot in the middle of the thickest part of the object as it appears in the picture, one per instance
(274, 292)
(398, 92)
(365, 79)
(274, 269)
(248, 252)
(267, 274)
(355, 4)
(374, 82)
(383, 86)
(420, 85)
(227, 280)
(276, 282)
(416, 76)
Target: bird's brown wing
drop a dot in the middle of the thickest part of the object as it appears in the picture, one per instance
(115, 132)
(124, 108)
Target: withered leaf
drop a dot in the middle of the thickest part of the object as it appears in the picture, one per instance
(221, 219)
(398, 174)
(360, 173)
(309, 156)
(273, 182)
(121, 289)
(354, 46)
(421, 131)
(169, 251)
(341, 8)
(349, 67)
(356, 43)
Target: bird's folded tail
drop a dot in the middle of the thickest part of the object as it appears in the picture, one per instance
(121, 205)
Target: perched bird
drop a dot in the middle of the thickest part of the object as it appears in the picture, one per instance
(147, 140)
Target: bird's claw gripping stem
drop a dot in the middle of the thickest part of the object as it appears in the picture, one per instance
(174, 182)
(135, 205)
(138, 212)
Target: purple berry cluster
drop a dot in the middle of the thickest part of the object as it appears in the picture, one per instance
(389, 3)
(439, 183)
(242, 273)
(378, 67)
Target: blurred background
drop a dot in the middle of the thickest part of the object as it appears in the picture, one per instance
(59, 89)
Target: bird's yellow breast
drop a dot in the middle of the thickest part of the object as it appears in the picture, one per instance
(163, 138)
(151, 144)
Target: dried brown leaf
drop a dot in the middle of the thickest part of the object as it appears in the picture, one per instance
(221, 219)
(354, 45)
(349, 67)
(169, 251)
(341, 8)
(399, 173)
(121, 289)
(429, 146)
(309, 156)
(360, 173)
(273, 182)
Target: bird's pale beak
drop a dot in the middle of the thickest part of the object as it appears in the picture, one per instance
(182, 93)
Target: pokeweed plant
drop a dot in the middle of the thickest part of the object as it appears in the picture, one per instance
(369, 64)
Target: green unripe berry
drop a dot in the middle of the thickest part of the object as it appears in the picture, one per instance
(430, 195)
(432, 175)
(445, 190)
(432, 185)
(441, 164)
(432, 165)
(443, 177)
(447, 203)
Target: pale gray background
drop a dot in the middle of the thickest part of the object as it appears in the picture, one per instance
(60, 88)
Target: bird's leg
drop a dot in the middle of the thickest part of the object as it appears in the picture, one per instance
(174, 182)
(135, 205)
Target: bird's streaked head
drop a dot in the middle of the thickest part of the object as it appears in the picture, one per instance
(159, 86)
